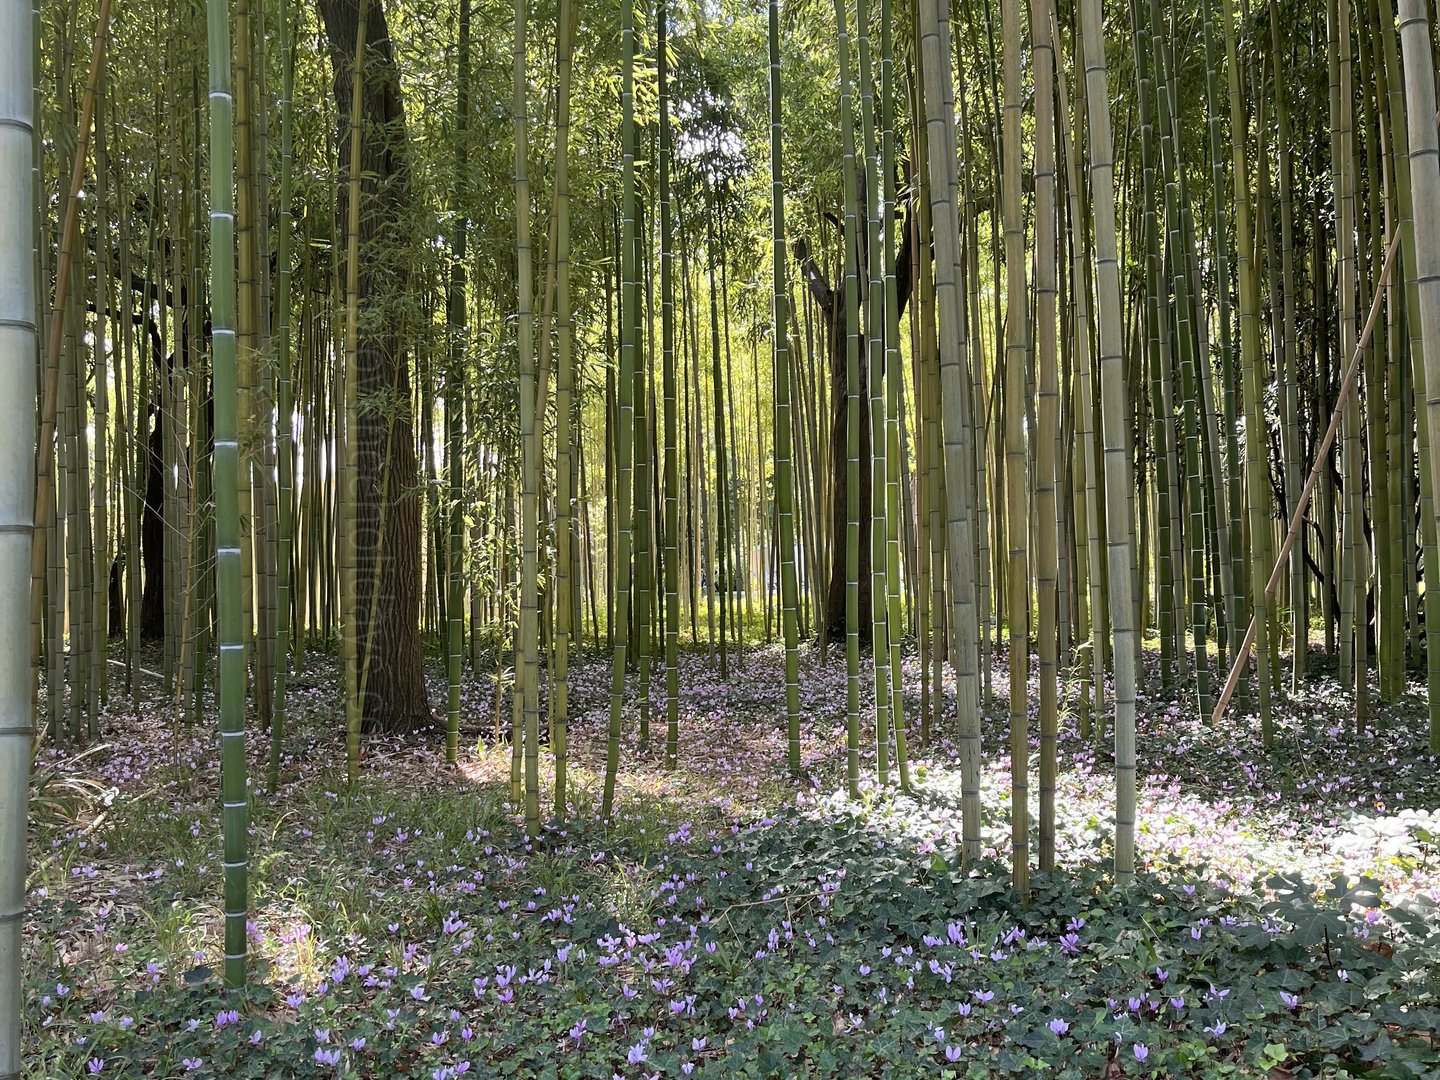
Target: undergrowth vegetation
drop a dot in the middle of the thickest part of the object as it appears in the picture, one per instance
(729, 923)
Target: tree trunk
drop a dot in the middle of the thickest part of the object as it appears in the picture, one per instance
(388, 507)
(832, 309)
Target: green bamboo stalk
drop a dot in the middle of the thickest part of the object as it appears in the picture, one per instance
(1257, 444)
(874, 295)
(284, 403)
(954, 404)
(247, 333)
(1017, 495)
(1289, 376)
(1393, 424)
(1416, 323)
(456, 317)
(1424, 162)
(527, 653)
(77, 667)
(19, 346)
(625, 427)
(1119, 491)
(349, 554)
(1234, 614)
(642, 540)
(784, 478)
(1047, 561)
(1342, 159)
(894, 402)
(720, 577)
(852, 409)
(1157, 351)
(225, 464)
(1372, 464)
(99, 631)
(564, 406)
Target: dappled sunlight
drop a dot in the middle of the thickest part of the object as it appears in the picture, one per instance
(411, 923)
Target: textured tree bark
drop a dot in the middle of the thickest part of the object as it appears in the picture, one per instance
(832, 310)
(388, 508)
(153, 524)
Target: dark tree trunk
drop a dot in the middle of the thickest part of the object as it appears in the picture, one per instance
(832, 311)
(387, 514)
(117, 597)
(152, 535)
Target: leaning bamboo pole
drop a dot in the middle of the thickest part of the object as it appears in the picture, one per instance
(1297, 517)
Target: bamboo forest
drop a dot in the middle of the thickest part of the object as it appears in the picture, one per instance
(635, 539)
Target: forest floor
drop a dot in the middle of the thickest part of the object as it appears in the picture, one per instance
(730, 922)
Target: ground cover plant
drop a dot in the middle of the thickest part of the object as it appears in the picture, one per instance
(731, 922)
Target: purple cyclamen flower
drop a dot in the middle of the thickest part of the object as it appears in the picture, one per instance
(1059, 1025)
(637, 1054)
(1141, 1051)
(191, 1064)
(325, 1056)
(94, 1065)
(952, 1053)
